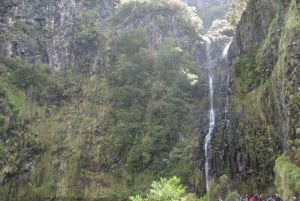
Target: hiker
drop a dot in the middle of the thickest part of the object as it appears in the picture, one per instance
(260, 197)
(277, 198)
(270, 198)
(254, 198)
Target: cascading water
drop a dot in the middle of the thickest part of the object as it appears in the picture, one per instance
(208, 137)
(226, 115)
(209, 134)
(225, 53)
(220, 60)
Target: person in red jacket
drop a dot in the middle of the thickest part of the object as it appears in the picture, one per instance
(254, 198)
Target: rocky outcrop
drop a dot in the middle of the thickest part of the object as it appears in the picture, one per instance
(84, 35)
(48, 31)
(158, 21)
(253, 27)
(80, 35)
(54, 32)
(265, 97)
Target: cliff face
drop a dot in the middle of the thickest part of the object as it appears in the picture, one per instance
(51, 31)
(158, 21)
(132, 114)
(253, 26)
(265, 93)
(93, 134)
(55, 32)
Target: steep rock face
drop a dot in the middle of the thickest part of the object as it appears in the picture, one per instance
(212, 60)
(209, 10)
(158, 21)
(49, 31)
(162, 20)
(253, 27)
(220, 74)
(265, 96)
(78, 158)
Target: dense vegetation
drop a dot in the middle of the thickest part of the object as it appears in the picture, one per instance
(166, 189)
(139, 113)
(235, 11)
(127, 113)
(266, 117)
(151, 103)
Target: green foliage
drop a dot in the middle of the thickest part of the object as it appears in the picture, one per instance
(287, 169)
(131, 45)
(264, 117)
(64, 134)
(16, 99)
(209, 14)
(165, 189)
(16, 141)
(134, 113)
(235, 11)
(131, 11)
(135, 121)
(219, 188)
(287, 176)
(62, 89)
(27, 76)
(244, 73)
(232, 196)
(150, 98)
(90, 38)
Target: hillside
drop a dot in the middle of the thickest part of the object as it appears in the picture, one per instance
(100, 98)
(94, 107)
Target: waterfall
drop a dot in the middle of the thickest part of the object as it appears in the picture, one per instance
(208, 137)
(211, 63)
(226, 111)
(209, 134)
(225, 53)
(208, 52)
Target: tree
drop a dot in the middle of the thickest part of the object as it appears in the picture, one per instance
(164, 190)
(235, 11)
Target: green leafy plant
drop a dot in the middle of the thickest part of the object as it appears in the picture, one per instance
(163, 190)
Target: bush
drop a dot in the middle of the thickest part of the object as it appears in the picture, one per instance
(166, 190)
(232, 196)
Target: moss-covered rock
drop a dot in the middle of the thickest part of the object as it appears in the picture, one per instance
(265, 115)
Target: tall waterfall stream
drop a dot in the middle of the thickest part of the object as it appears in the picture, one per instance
(208, 137)
(211, 114)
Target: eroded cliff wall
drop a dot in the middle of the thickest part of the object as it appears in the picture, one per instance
(54, 31)
(265, 91)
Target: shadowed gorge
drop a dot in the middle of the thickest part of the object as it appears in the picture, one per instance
(148, 100)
